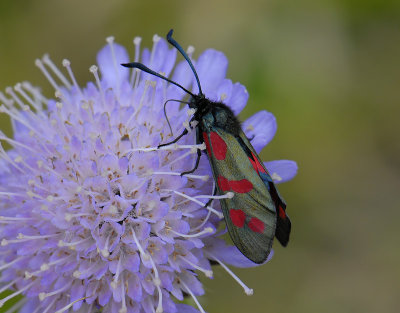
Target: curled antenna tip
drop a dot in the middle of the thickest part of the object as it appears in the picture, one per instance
(169, 35)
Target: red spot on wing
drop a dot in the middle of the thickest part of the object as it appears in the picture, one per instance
(218, 145)
(241, 186)
(256, 164)
(205, 138)
(256, 225)
(281, 212)
(223, 183)
(238, 217)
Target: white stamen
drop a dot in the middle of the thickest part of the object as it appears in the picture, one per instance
(5, 287)
(123, 309)
(38, 97)
(247, 290)
(67, 64)
(156, 39)
(189, 51)
(193, 296)
(115, 279)
(16, 307)
(72, 245)
(190, 112)
(110, 41)
(207, 230)
(159, 305)
(44, 295)
(169, 147)
(4, 155)
(183, 156)
(46, 60)
(49, 306)
(40, 65)
(276, 177)
(45, 267)
(208, 273)
(71, 304)
(94, 70)
(16, 143)
(219, 214)
(4, 300)
(18, 88)
(69, 216)
(202, 177)
(228, 195)
(18, 118)
(104, 252)
(8, 218)
(22, 105)
(141, 102)
(7, 265)
(203, 223)
(143, 254)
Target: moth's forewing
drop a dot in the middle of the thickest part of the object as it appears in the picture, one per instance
(250, 215)
(284, 225)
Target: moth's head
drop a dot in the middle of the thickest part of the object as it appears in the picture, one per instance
(198, 102)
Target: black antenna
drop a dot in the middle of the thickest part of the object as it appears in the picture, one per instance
(144, 68)
(165, 112)
(179, 48)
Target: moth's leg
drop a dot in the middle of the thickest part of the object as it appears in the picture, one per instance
(175, 140)
(196, 165)
(211, 200)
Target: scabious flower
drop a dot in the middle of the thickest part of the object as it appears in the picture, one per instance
(92, 214)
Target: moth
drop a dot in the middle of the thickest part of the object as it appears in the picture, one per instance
(256, 213)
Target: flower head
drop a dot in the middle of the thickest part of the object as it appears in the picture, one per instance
(93, 215)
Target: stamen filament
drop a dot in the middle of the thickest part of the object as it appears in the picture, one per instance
(194, 297)
(247, 290)
(46, 59)
(208, 273)
(70, 305)
(202, 177)
(207, 230)
(7, 265)
(219, 214)
(4, 300)
(93, 69)
(67, 64)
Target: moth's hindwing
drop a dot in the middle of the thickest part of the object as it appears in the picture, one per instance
(250, 215)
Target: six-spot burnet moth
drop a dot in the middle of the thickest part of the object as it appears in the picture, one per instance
(256, 213)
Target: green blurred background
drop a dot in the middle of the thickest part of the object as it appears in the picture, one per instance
(329, 71)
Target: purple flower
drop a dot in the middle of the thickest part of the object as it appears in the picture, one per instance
(93, 215)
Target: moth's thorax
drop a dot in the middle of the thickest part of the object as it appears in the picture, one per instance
(211, 114)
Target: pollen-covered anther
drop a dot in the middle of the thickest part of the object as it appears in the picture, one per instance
(194, 123)
(190, 112)
(137, 40)
(105, 253)
(66, 63)
(110, 39)
(276, 177)
(68, 217)
(156, 38)
(93, 69)
(77, 274)
(230, 194)
(190, 50)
